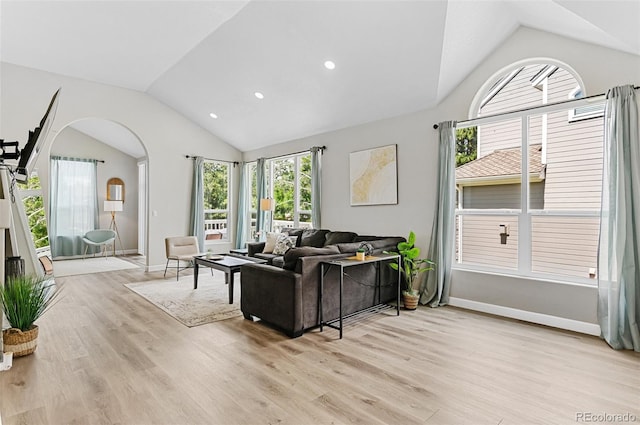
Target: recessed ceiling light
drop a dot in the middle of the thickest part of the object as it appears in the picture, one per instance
(329, 65)
(258, 95)
(212, 115)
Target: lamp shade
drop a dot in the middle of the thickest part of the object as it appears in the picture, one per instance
(267, 204)
(113, 205)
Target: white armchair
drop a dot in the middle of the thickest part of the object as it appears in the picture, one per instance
(180, 248)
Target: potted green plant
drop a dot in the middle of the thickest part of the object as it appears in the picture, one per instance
(411, 268)
(24, 299)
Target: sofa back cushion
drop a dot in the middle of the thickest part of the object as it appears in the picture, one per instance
(349, 247)
(313, 237)
(292, 255)
(333, 238)
(389, 243)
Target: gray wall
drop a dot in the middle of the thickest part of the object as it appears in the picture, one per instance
(417, 173)
(166, 136)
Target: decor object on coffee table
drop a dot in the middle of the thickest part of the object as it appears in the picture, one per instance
(412, 267)
(24, 299)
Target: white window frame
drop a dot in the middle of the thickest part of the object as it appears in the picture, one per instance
(226, 236)
(584, 112)
(28, 193)
(251, 172)
(297, 166)
(524, 214)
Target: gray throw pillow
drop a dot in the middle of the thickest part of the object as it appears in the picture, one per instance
(313, 237)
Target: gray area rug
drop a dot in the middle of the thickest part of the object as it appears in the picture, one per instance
(192, 307)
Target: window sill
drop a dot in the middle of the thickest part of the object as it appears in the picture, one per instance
(559, 280)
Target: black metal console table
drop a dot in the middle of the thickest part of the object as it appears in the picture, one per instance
(350, 262)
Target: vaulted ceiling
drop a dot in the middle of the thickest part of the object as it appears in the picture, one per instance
(202, 57)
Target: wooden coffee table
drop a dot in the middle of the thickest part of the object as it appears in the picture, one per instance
(229, 264)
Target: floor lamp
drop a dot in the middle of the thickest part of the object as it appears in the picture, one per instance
(267, 205)
(113, 207)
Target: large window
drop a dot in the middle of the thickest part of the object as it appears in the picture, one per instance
(547, 226)
(290, 187)
(216, 200)
(289, 184)
(31, 194)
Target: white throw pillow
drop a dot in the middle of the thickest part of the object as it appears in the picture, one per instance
(272, 237)
(284, 243)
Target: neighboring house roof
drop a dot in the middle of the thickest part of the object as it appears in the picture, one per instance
(501, 166)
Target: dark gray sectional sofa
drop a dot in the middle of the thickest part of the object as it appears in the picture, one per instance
(285, 292)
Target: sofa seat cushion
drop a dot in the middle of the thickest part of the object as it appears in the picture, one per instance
(333, 238)
(268, 257)
(291, 256)
(278, 261)
(313, 237)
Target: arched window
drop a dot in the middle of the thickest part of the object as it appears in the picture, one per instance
(547, 226)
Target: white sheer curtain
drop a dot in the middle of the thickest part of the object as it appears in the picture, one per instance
(73, 205)
(618, 251)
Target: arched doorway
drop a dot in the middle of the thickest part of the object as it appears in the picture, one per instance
(117, 153)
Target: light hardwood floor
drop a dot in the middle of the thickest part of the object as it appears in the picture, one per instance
(107, 356)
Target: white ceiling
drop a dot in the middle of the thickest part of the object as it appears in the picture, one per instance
(392, 57)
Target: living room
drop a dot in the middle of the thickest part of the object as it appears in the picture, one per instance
(168, 136)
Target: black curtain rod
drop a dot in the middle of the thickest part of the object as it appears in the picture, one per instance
(435, 126)
(78, 159)
(322, 148)
(211, 159)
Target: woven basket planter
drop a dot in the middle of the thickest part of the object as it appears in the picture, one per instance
(410, 301)
(19, 342)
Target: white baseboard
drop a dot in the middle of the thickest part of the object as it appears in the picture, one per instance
(528, 316)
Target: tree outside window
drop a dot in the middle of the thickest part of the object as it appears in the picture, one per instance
(31, 193)
(290, 179)
(216, 200)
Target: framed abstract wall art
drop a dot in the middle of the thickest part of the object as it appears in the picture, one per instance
(373, 175)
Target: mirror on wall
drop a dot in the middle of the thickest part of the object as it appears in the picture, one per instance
(115, 189)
